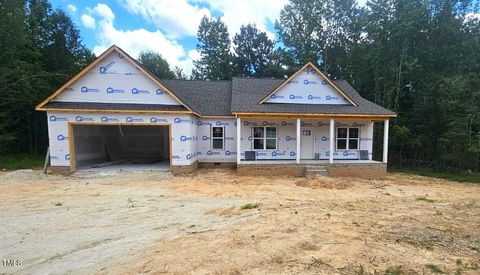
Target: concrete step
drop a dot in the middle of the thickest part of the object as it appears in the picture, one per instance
(315, 170)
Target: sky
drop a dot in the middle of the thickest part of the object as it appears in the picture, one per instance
(168, 27)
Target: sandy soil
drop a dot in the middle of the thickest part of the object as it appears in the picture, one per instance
(196, 224)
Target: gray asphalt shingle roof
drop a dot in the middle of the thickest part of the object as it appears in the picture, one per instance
(208, 98)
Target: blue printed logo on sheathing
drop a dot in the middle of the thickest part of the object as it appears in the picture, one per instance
(185, 138)
(159, 92)
(284, 123)
(277, 96)
(131, 119)
(275, 153)
(189, 156)
(348, 153)
(53, 157)
(324, 82)
(108, 119)
(309, 82)
(179, 120)
(67, 157)
(136, 91)
(288, 138)
(324, 138)
(292, 96)
(292, 82)
(61, 138)
(81, 118)
(205, 138)
(213, 153)
(261, 154)
(292, 153)
(229, 138)
(311, 70)
(85, 89)
(228, 153)
(105, 68)
(55, 118)
(155, 120)
(176, 157)
(111, 90)
(312, 97)
(328, 97)
(219, 123)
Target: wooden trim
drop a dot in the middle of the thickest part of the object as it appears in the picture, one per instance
(71, 142)
(320, 73)
(71, 147)
(112, 111)
(290, 115)
(40, 106)
(208, 117)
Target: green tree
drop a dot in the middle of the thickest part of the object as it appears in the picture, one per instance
(253, 51)
(214, 47)
(156, 64)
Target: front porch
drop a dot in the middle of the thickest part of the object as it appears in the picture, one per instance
(295, 146)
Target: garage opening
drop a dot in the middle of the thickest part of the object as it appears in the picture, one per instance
(125, 147)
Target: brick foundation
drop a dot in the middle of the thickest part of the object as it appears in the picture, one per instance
(271, 169)
(224, 165)
(351, 170)
(184, 169)
(358, 170)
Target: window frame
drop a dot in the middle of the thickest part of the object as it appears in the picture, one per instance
(347, 139)
(217, 138)
(264, 138)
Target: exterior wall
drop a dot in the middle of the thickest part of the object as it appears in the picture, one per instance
(286, 134)
(204, 142)
(115, 80)
(308, 87)
(183, 129)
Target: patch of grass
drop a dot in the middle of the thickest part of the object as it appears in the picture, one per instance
(250, 206)
(21, 161)
(424, 198)
(435, 269)
(428, 245)
(57, 203)
(395, 270)
(460, 177)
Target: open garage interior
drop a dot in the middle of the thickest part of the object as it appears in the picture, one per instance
(125, 147)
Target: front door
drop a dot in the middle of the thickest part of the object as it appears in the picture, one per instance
(306, 143)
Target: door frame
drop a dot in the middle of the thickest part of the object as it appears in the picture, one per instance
(71, 138)
(312, 129)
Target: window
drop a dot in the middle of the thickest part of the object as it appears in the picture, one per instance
(218, 137)
(264, 138)
(347, 138)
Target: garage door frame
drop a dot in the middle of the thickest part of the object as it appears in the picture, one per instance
(71, 139)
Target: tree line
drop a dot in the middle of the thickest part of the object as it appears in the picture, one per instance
(419, 58)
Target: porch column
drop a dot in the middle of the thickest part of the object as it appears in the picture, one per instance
(332, 139)
(298, 141)
(239, 137)
(370, 134)
(385, 141)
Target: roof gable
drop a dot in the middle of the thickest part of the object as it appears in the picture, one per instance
(114, 78)
(308, 86)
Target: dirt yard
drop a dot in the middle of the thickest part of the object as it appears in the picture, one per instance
(215, 222)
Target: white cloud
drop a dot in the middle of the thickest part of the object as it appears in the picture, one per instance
(88, 21)
(175, 18)
(137, 40)
(238, 13)
(72, 8)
